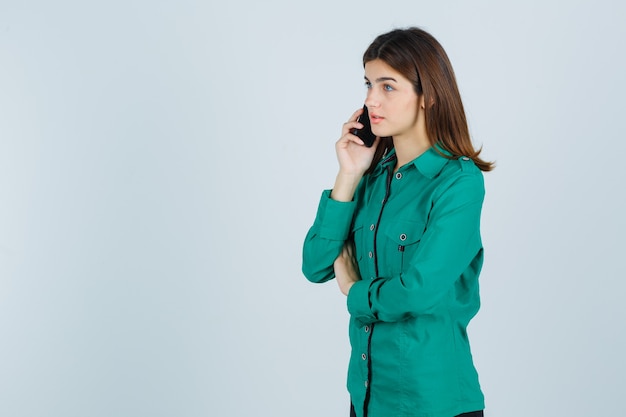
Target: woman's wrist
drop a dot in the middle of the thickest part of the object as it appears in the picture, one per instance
(345, 186)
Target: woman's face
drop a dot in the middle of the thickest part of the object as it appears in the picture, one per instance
(391, 101)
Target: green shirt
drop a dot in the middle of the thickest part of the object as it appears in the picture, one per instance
(417, 242)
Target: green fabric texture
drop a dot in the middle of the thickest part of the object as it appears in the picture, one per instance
(416, 234)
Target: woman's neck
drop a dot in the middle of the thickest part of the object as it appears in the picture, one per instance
(407, 149)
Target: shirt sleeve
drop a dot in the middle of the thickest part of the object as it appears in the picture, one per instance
(326, 238)
(449, 250)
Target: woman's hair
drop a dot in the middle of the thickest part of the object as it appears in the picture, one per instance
(418, 56)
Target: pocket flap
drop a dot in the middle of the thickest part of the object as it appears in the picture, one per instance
(405, 232)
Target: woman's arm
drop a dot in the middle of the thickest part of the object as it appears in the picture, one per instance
(326, 237)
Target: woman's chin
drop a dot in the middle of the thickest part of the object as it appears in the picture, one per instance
(382, 133)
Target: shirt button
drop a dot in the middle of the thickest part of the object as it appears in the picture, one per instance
(366, 383)
(371, 255)
(398, 175)
(367, 329)
(363, 356)
(403, 237)
(465, 158)
(372, 227)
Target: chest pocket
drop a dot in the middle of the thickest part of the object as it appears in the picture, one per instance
(400, 242)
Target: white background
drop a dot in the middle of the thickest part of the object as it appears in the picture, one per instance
(161, 162)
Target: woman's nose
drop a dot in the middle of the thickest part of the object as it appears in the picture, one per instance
(371, 100)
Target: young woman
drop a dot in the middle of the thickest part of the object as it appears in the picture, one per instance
(400, 232)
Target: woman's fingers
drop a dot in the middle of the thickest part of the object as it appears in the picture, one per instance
(356, 115)
(352, 123)
(354, 157)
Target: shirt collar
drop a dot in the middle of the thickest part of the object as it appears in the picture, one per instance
(429, 164)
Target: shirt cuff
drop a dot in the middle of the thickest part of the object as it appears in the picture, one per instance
(359, 302)
(335, 217)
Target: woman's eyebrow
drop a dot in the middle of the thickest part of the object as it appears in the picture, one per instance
(381, 79)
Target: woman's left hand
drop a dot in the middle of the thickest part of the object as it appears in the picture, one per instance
(346, 268)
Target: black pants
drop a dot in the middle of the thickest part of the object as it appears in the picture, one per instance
(472, 414)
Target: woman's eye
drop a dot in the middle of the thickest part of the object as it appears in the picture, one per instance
(368, 85)
(387, 87)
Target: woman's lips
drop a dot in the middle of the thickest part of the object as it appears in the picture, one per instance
(375, 119)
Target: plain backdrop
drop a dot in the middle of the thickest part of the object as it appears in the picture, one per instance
(161, 162)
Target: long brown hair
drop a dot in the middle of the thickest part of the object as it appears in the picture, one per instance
(420, 58)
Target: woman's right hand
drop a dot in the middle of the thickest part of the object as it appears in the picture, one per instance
(354, 159)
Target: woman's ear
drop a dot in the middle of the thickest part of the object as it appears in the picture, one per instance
(421, 102)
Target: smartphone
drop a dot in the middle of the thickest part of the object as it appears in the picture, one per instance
(365, 134)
